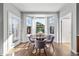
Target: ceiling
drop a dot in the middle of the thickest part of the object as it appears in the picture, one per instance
(38, 7)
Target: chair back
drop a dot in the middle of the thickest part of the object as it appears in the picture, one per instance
(52, 39)
(39, 44)
(30, 39)
(48, 37)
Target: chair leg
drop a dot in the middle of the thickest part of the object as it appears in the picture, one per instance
(45, 52)
(29, 45)
(33, 47)
(39, 51)
(36, 51)
(50, 47)
(46, 47)
(53, 48)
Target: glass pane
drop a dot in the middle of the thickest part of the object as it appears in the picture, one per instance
(51, 24)
(13, 29)
(40, 24)
(29, 21)
(51, 19)
(16, 27)
(29, 24)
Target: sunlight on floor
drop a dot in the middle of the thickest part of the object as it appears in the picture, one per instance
(24, 50)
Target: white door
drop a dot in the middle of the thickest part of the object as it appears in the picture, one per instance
(66, 30)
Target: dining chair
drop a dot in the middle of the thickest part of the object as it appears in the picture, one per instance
(40, 44)
(49, 37)
(31, 41)
(50, 41)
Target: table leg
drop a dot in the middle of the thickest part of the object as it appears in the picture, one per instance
(45, 52)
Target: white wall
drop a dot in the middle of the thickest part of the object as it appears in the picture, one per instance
(14, 10)
(70, 7)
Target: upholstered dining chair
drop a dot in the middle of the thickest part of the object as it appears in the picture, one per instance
(40, 44)
(50, 41)
(31, 41)
(49, 37)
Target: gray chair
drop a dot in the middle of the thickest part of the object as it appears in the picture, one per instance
(50, 41)
(39, 44)
(48, 37)
(31, 41)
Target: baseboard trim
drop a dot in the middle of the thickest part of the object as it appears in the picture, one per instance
(1, 54)
(74, 52)
(17, 45)
(23, 42)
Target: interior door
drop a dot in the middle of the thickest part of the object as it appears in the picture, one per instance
(66, 30)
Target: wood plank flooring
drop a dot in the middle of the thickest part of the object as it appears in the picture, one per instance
(24, 49)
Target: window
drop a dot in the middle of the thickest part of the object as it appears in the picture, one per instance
(40, 24)
(29, 24)
(39, 27)
(51, 24)
(14, 28)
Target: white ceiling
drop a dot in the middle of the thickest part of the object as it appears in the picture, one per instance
(38, 7)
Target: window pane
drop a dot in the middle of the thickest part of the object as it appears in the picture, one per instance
(40, 24)
(51, 24)
(29, 21)
(29, 24)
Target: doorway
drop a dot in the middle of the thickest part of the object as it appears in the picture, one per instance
(66, 30)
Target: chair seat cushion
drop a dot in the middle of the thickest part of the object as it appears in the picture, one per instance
(48, 41)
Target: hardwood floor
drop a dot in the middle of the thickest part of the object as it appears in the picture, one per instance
(24, 49)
